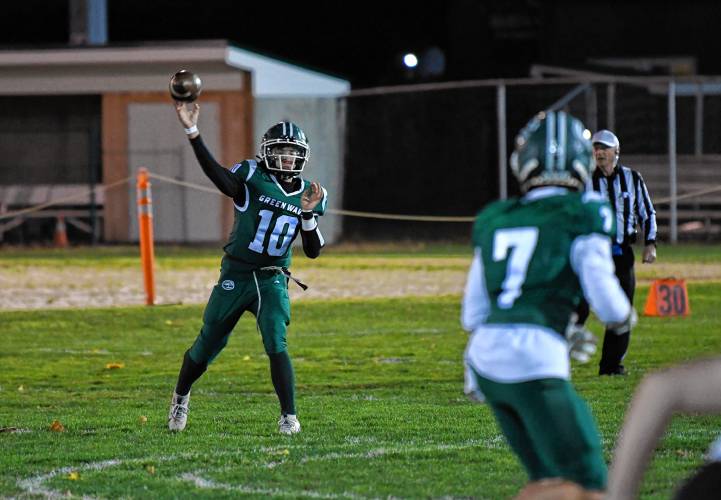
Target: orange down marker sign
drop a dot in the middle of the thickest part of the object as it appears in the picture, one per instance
(667, 297)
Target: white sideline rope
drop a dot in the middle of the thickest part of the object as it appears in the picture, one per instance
(191, 185)
(350, 213)
(77, 196)
(335, 211)
(420, 218)
(702, 192)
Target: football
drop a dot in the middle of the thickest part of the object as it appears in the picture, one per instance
(185, 86)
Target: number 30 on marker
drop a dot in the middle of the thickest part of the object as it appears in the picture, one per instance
(667, 297)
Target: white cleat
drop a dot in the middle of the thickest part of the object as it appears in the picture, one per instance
(178, 416)
(288, 424)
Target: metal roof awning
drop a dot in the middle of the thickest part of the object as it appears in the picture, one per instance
(148, 66)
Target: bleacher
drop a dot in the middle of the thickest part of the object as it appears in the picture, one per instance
(71, 202)
(698, 191)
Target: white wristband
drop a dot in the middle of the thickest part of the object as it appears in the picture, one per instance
(191, 130)
(308, 224)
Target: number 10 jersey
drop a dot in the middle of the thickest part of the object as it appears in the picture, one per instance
(267, 219)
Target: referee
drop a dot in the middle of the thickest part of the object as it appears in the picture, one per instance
(632, 207)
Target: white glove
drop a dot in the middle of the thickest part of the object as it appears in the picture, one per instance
(470, 386)
(581, 343)
(714, 452)
(624, 326)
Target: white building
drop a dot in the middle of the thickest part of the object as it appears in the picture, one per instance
(74, 116)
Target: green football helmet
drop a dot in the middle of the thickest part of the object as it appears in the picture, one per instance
(285, 142)
(553, 149)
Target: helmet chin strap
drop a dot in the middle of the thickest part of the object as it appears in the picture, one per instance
(284, 173)
(285, 177)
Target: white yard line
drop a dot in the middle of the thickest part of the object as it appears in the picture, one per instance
(36, 485)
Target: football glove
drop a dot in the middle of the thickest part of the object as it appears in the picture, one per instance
(470, 386)
(624, 326)
(581, 343)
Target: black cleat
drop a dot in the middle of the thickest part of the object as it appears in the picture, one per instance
(618, 370)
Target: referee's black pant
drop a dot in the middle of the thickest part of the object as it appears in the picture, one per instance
(615, 346)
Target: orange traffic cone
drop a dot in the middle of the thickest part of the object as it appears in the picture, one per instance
(60, 238)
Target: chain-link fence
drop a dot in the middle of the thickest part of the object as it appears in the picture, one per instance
(442, 149)
(421, 160)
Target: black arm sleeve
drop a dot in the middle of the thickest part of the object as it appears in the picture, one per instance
(225, 181)
(312, 240)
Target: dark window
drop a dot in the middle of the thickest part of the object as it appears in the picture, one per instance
(50, 139)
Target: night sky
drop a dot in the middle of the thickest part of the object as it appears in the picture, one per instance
(364, 41)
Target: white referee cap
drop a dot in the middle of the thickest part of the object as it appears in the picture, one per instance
(605, 137)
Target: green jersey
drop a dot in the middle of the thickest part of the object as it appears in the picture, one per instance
(268, 220)
(525, 246)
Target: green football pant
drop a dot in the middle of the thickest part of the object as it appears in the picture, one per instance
(550, 428)
(263, 293)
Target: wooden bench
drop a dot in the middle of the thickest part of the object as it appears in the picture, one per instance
(72, 202)
(698, 188)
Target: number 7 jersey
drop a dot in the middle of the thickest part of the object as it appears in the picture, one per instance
(526, 254)
(268, 219)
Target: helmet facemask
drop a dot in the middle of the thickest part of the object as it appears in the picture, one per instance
(283, 158)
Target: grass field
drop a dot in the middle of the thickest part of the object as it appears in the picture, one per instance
(379, 394)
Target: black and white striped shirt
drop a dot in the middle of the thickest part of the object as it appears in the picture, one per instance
(630, 202)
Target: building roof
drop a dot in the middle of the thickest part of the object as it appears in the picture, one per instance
(148, 66)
